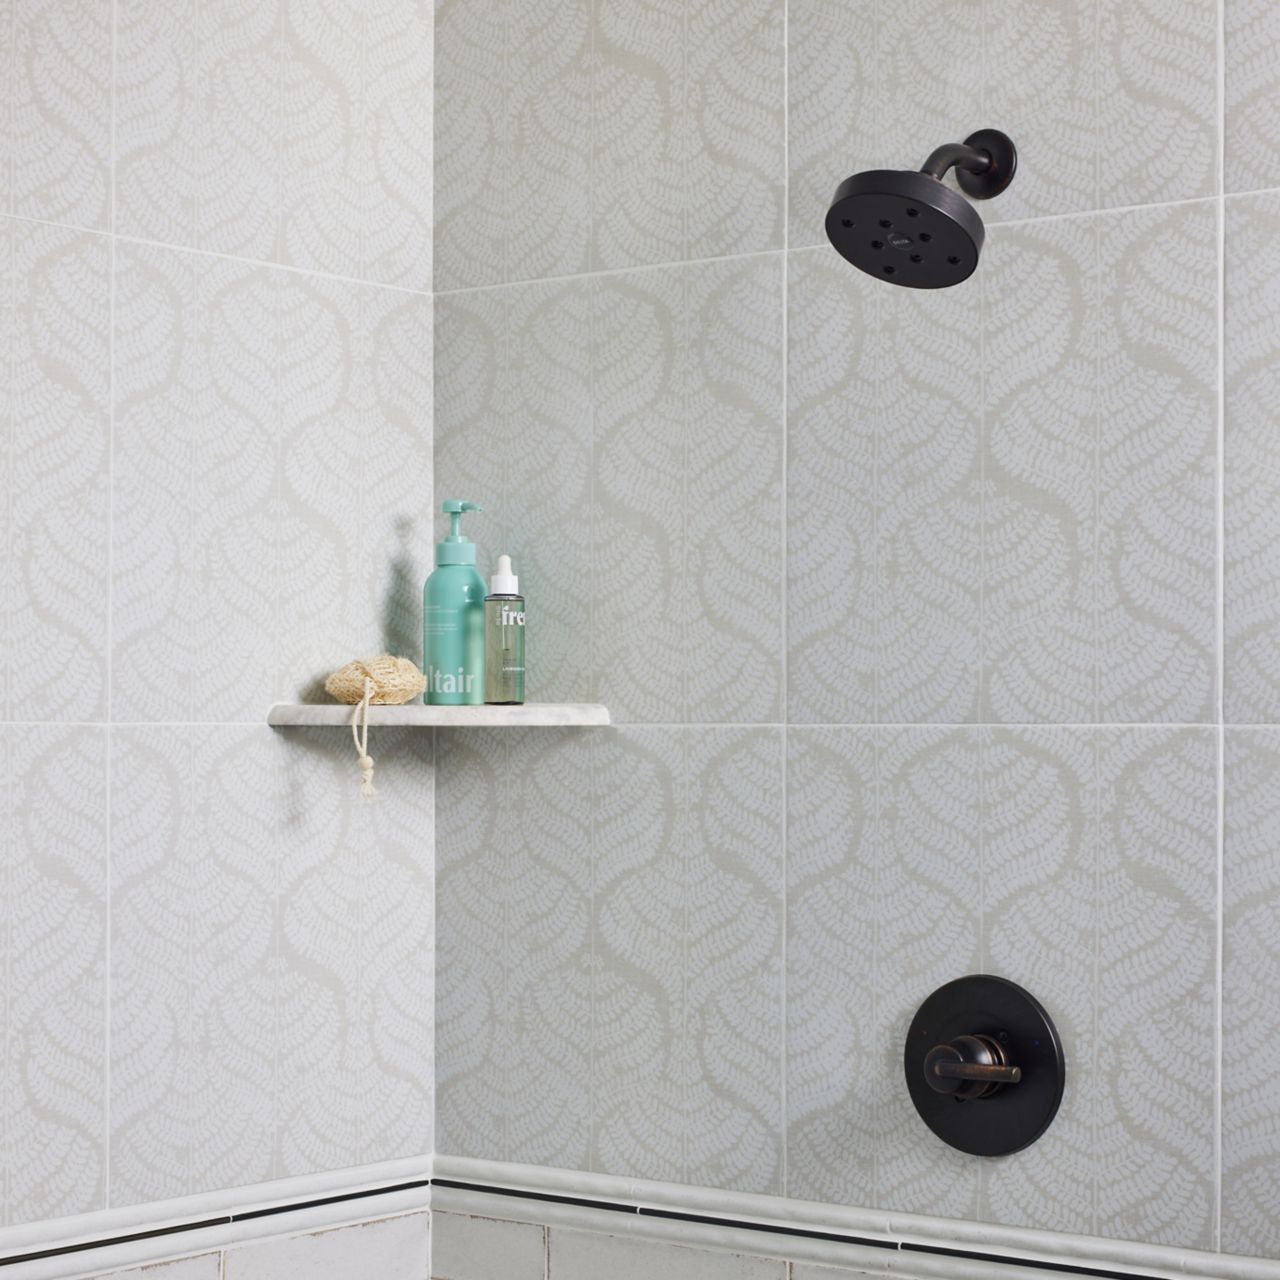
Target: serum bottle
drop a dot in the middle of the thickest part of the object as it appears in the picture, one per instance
(504, 638)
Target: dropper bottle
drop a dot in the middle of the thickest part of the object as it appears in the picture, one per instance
(504, 638)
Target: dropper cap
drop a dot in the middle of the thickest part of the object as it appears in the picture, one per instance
(504, 582)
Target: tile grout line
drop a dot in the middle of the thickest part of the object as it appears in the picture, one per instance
(1163, 726)
(1220, 626)
(109, 672)
(785, 708)
(266, 263)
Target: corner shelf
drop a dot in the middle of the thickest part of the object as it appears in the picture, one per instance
(420, 716)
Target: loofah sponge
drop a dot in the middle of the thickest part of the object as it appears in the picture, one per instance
(395, 680)
(384, 680)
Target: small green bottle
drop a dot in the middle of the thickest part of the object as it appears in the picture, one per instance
(453, 620)
(504, 638)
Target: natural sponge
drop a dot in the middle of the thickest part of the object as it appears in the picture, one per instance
(395, 680)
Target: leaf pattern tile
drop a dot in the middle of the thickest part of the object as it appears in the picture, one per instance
(271, 976)
(610, 952)
(53, 955)
(55, 402)
(1078, 862)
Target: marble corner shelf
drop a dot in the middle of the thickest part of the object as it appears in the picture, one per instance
(420, 716)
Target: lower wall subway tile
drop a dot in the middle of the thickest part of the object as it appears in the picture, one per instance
(1251, 1003)
(586, 1255)
(472, 1248)
(389, 1249)
(207, 1266)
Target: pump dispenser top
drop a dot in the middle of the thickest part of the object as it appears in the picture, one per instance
(456, 549)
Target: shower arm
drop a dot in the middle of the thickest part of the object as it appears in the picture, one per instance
(958, 155)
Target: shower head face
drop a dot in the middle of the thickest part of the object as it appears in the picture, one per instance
(906, 228)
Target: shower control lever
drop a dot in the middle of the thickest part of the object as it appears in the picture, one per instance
(984, 1038)
(969, 1067)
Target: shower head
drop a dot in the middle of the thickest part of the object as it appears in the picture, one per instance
(910, 228)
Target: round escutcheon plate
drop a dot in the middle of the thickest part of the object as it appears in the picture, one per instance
(1014, 1115)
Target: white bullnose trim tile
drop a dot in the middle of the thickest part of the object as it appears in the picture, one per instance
(1050, 1247)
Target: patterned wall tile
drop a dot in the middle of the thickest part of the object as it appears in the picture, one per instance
(687, 397)
(634, 134)
(513, 140)
(1156, 987)
(514, 1019)
(1099, 864)
(610, 934)
(513, 432)
(882, 497)
(833, 838)
(1041, 928)
(1250, 1011)
(55, 143)
(53, 942)
(1252, 494)
(1099, 516)
(688, 912)
(271, 967)
(1252, 90)
(1134, 83)
(865, 93)
(289, 132)
(1079, 863)
(878, 824)
(626, 435)
(197, 138)
(55, 313)
(270, 462)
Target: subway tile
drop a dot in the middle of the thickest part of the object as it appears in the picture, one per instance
(1251, 1010)
(1252, 476)
(283, 132)
(256, 414)
(53, 954)
(883, 512)
(634, 137)
(55, 144)
(207, 1266)
(473, 1248)
(586, 1255)
(389, 1248)
(55, 311)
(1251, 87)
(271, 970)
(1109, 106)
(1099, 528)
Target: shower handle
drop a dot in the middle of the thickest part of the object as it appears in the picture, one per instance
(970, 1067)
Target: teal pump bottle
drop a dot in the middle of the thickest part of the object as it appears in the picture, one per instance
(453, 620)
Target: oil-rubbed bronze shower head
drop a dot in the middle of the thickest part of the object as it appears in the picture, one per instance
(910, 228)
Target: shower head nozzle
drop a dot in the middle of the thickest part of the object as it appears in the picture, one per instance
(909, 228)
